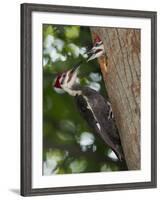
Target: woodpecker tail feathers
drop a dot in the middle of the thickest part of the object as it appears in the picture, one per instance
(119, 152)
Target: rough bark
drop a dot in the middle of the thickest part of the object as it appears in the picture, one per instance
(121, 73)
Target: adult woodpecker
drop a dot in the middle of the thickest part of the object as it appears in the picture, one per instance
(97, 50)
(95, 109)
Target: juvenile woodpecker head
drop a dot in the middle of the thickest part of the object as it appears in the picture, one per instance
(97, 49)
(67, 80)
(97, 39)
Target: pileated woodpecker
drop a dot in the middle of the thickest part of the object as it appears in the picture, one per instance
(96, 110)
(97, 50)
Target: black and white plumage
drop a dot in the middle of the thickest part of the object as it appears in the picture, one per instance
(95, 109)
(97, 50)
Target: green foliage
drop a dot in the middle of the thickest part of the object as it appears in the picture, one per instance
(72, 32)
(69, 145)
(48, 30)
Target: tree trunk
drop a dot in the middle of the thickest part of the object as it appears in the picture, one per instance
(121, 72)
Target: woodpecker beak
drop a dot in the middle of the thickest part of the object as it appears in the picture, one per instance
(75, 68)
(90, 51)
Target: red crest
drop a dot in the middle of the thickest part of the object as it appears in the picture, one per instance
(57, 82)
(96, 38)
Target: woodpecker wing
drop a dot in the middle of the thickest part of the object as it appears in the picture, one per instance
(98, 113)
(86, 111)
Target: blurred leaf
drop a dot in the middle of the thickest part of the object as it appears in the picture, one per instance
(78, 165)
(53, 158)
(48, 30)
(56, 155)
(65, 137)
(72, 32)
(60, 170)
(73, 49)
(105, 168)
(67, 125)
